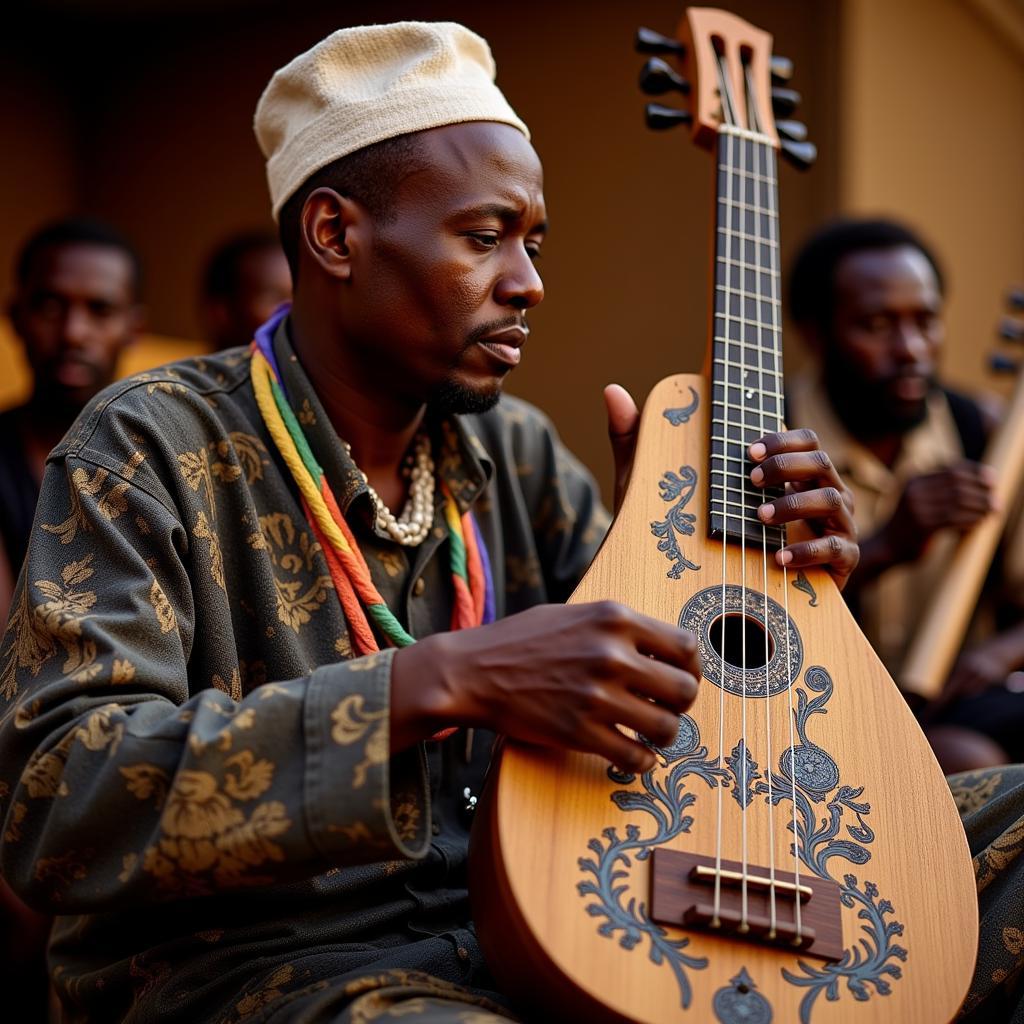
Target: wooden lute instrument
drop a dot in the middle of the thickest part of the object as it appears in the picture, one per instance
(795, 855)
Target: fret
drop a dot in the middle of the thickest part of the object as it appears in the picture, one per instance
(731, 424)
(743, 460)
(749, 390)
(734, 474)
(743, 293)
(748, 174)
(746, 506)
(746, 238)
(747, 354)
(745, 368)
(767, 408)
(737, 204)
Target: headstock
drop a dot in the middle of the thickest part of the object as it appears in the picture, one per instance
(727, 66)
(1011, 329)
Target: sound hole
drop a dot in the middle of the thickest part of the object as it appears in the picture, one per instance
(740, 630)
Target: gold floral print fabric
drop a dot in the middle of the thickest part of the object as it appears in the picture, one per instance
(991, 803)
(187, 746)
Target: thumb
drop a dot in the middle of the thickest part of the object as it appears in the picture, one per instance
(623, 426)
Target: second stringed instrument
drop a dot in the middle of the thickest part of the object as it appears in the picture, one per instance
(795, 855)
(941, 631)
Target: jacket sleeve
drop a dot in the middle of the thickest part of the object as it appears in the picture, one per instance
(120, 784)
(568, 519)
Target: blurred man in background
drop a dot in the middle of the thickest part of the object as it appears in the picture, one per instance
(868, 296)
(75, 307)
(246, 279)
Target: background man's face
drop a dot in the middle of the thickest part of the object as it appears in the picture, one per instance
(886, 334)
(263, 282)
(75, 313)
(441, 294)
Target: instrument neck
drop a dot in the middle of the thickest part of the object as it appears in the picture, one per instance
(746, 343)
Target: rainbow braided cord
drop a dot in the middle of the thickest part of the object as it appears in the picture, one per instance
(360, 600)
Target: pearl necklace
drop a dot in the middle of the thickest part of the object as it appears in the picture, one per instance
(411, 527)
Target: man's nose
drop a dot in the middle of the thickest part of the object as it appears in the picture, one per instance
(520, 286)
(909, 342)
(77, 327)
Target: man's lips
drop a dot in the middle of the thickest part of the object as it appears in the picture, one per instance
(74, 373)
(910, 388)
(506, 345)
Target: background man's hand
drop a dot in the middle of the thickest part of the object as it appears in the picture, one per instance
(815, 493)
(556, 675)
(956, 497)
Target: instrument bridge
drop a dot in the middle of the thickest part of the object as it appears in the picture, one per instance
(683, 894)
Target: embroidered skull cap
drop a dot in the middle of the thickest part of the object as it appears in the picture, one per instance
(366, 84)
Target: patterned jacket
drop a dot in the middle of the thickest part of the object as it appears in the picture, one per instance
(194, 771)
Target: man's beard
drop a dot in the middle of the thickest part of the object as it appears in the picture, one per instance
(453, 397)
(867, 408)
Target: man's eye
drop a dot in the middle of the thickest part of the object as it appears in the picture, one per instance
(486, 239)
(49, 306)
(875, 324)
(533, 251)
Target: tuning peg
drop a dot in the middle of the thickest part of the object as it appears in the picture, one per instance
(659, 117)
(800, 154)
(1011, 330)
(649, 41)
(784, 101)
(781, 68)
(794, 130)
(1015, 299)
(657, 77)
(999, 363)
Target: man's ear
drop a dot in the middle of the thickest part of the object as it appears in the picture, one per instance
(330, 229)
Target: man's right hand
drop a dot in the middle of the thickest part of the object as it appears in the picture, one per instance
(956, 498)
(556, 675)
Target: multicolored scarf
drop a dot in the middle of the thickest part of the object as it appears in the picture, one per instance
(360, 600)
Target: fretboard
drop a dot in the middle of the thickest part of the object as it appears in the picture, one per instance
(746, 375)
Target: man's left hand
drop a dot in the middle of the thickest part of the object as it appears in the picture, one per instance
(815, 493)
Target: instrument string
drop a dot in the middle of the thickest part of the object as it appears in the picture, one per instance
(723, 292)
(758, 214)
(772, 176)
(745, 758)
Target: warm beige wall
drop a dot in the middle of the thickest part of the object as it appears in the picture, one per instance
(932, 122)
(163, 147)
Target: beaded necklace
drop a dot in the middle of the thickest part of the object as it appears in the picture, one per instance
(470, 565)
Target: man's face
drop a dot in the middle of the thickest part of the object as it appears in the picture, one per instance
(75, 313)
(439, 300)
(886, 334)
(263, 283)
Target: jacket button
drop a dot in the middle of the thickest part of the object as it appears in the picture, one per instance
(418, 587)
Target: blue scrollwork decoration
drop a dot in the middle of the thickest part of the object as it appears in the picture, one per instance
(682, 415)
(739, 1002)
(865, 966)
(803, 583)
(829, 821)
(744, 772)
(666, 800)
(809, 778)
(678, 488)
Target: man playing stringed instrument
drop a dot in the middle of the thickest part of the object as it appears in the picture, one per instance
(222, 750)
(868, 297)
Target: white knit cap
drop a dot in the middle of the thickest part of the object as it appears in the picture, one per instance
(362, 85)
